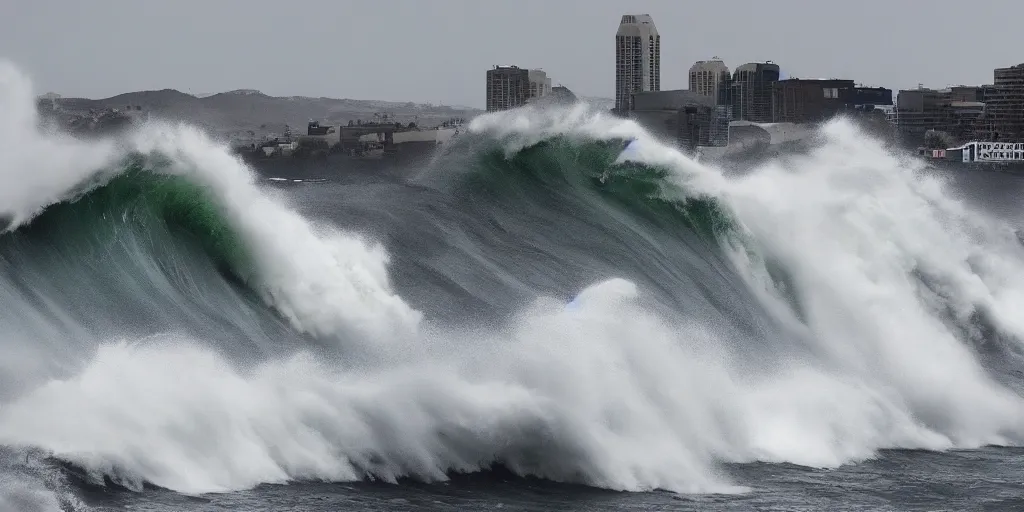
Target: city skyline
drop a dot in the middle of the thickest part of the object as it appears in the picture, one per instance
(356, 50)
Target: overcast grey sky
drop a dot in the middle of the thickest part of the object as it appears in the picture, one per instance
(438, 50)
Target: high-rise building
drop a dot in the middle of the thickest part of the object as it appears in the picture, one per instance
(708, 76)
(751, 91)
(507, 87)
(637, 59)
(540, 84)
(1004, 105)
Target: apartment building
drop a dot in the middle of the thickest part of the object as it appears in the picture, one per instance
(637, 59)
(508, 87)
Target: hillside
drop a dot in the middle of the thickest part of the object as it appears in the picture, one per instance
(243, 110)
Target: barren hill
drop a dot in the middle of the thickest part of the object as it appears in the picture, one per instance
(243, 110)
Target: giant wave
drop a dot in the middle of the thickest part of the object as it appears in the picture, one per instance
(167, 321)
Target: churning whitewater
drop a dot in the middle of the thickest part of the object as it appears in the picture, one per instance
(168, 320)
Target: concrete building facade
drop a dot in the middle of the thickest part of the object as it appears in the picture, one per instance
(508, 87)
(922, 109)
(810, 101)
(563, 93)
(967, 93)
(559, 95)
(684, 117)
(637, 59)
(1004, 109)
(707, 77)
(951, 111)
(872, 96)
(540, 83)
(751, 91)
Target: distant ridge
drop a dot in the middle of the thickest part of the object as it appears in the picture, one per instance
(252, 110)
(245, 92)
(153, 99)
(170, 96)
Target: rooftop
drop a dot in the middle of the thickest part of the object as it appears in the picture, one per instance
(637, 25)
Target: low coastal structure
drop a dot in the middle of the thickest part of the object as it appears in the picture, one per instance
(685, 118)
(360, 140)
(747, 137)
(979, 152)
(558, 95)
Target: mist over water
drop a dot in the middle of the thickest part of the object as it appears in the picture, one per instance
(169, 320)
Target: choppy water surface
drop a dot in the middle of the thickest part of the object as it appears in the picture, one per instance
(835, 330)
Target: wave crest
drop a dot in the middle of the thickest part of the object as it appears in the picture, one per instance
(858, 273)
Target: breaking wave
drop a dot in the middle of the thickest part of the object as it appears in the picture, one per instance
(170, 322)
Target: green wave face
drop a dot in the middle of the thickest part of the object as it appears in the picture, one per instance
(567, 170)
(157, 209)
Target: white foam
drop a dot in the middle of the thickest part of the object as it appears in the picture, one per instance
(327, 283)
(606, 393)
(878, 255)
(37, 170)
(539, 399)
(853, 225)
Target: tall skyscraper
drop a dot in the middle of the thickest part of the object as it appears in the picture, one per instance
(708, 76)
(637, 58)
(507, 87)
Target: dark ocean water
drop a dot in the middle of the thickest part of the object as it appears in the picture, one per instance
(978, 479)
(525, 322)
(969, 480)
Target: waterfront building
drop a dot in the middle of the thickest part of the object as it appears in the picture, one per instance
(954, 111)
(508, 87)
(685, 118)
(750, 92)
(988, 92)
(563, 94)
(637, 59)
(922, 109)
(967, 93)
(1004, 105)
(799, 100)
(709, 78)
(559, 95)
(540, 83)
(873, 97)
